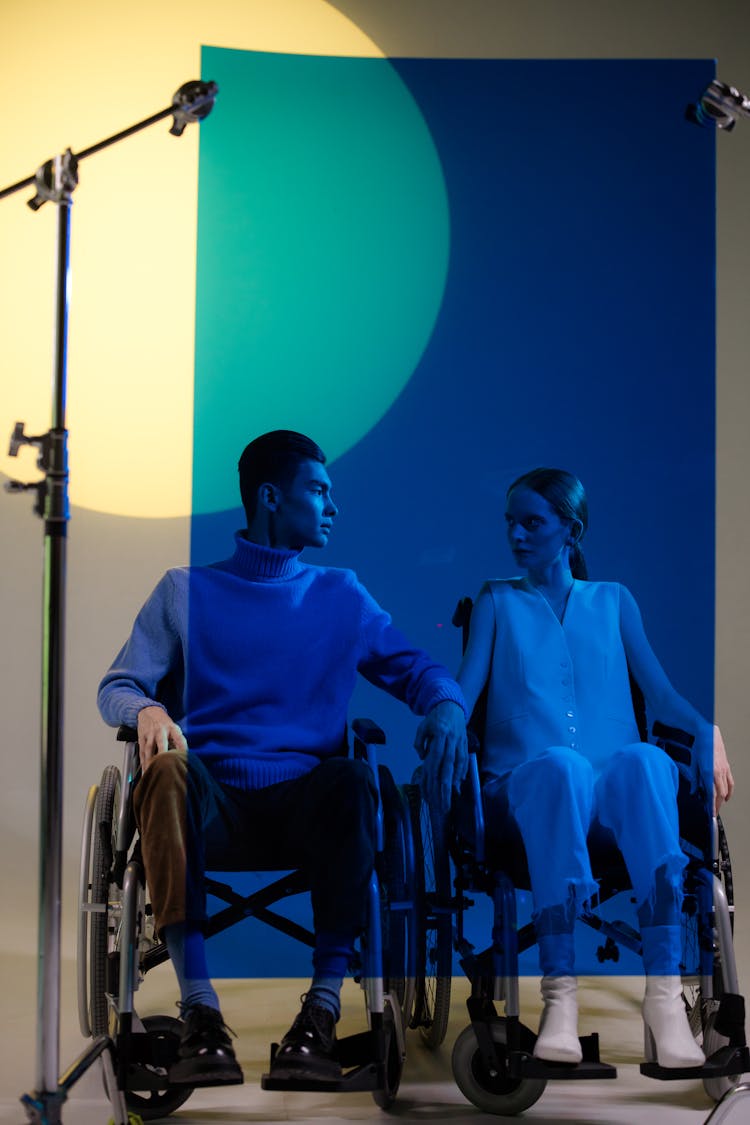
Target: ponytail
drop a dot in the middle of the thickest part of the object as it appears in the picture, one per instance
(578, 566)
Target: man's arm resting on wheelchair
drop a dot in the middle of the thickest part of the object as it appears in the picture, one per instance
(471, 677)
(667, 705)
(128, 692)
(445, 769)
(392, 663)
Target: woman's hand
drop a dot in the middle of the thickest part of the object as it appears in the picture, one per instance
(723, 780)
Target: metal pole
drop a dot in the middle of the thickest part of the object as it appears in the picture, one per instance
(53, 646)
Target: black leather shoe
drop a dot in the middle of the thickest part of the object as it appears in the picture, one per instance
(308, 1050)
(205, 1056)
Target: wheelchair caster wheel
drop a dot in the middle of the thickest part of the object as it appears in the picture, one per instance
(492, 1092)
(716, 1088)
(394, 1059)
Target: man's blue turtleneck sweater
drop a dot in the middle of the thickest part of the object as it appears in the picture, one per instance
(256, 658)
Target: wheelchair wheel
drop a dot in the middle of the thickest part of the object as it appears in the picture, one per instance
(164, 1039)
(394, 1060)
(82, 948)
(496, 1093)
(398, 898)
(725, 869)
(435, 937)
(695, 931)
(103, 899)
(698, 933)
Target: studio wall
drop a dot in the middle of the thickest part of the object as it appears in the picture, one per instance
(500, 285)
(75, 80)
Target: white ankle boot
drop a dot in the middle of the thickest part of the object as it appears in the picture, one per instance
(558, 1028)
(668, 1039)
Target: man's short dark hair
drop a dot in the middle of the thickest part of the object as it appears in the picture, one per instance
(274, 458)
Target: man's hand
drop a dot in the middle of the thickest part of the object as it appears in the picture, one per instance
(441, 742)
(157, 733)
(723, 780)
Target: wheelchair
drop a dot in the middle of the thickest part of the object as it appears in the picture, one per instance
(492, 1059)
(117, 945)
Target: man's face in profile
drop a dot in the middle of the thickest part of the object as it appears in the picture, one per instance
(305, 512)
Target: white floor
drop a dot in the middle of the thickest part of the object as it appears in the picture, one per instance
(260, 1011)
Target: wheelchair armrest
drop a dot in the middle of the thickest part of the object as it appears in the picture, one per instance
(368, 732)
(675, 742)
(364, 729)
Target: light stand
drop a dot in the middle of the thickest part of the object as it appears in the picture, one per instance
(719, 107)
(55, 182)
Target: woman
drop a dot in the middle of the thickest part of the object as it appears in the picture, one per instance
(562, 750)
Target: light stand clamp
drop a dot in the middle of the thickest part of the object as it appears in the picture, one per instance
(719, 107)
(56, 180)
(52, 490)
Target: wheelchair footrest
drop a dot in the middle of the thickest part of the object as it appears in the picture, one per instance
(354, 1081)
(522, 1065)
(727, 1061)
(354, 1051)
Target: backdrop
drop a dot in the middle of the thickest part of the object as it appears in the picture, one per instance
(448, 272)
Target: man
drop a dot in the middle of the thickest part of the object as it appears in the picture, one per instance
(251, 662)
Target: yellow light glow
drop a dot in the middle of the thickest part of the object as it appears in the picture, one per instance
(71, 75)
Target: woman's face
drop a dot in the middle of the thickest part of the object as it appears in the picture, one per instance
(537, 536)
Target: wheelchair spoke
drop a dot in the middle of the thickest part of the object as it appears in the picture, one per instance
(398, 898)
(435, 938)
(102, 892)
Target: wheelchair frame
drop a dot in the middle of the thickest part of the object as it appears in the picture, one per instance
(117, 946)
(492, 1058)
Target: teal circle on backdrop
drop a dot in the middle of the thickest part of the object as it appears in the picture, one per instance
(323, 244)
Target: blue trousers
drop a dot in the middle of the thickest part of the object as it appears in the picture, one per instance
(556, 798)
